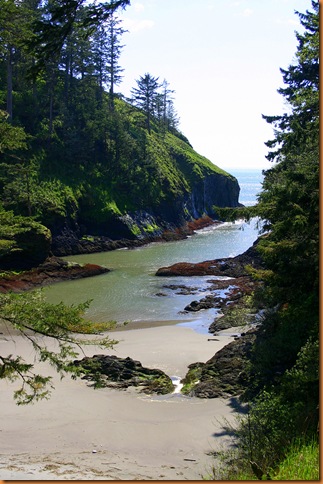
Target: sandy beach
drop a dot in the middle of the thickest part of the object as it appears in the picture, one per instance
(107, 434)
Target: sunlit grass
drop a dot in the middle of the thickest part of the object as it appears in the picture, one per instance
(300, 464)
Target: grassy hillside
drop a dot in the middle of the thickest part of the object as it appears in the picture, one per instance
(98, 167)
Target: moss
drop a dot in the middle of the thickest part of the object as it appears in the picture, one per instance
(111, 208)
(151, 228)
(88, 238)
(6, 246)
(135, 230)
(192, 377)
(162, 385)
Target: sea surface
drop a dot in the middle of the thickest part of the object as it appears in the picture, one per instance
(250, 185)
(132, 292)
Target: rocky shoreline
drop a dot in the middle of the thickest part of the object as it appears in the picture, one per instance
(69, 243)
(121, 373)
(224, 374)
(221, 376)
(51, 271)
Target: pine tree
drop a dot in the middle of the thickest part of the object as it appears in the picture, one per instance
(113, 54)
(106, 53)
(145, 96)
(58, 21)
(165, 111)
(15, 31)
(289, 201)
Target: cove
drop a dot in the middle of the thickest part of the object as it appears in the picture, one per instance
(131, 292)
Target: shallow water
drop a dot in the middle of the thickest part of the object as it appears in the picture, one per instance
(132, 292)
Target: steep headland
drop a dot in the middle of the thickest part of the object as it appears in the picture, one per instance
(136, 187)
(164, 199)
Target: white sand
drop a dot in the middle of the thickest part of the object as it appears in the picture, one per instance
(134, 436)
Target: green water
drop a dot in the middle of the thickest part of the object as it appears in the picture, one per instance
(130, 291)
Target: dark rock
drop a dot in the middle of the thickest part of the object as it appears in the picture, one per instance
(219, 324)
(107, 371)
(206, 303)
(51, 271)
(181, 289)
(129, 231)
(230, 267)
(224, 374)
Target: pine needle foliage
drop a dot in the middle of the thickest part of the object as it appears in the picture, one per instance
(29, 315)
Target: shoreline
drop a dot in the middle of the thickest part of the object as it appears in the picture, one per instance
(147, 324)
(57, 269)
(135, 436)
(109, 434)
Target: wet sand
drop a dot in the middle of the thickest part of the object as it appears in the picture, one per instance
(107, 434)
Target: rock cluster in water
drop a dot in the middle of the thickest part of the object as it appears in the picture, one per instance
(224, 374)
(229, 266)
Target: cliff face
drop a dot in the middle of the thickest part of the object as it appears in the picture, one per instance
(214, 190)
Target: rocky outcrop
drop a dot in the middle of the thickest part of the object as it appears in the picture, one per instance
(230, 267)
(224, 374)
(121, 373)
(70, 242)
(234, 290)
(186, 193)
(214, 190)
(51, 271)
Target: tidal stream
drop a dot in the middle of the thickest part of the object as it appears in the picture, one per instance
(132, 292)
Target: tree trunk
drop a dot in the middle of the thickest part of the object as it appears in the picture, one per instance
(9, 83)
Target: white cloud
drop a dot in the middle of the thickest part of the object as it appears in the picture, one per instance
(139, 7)
(137, 25)
(287, 21)
(247, 12)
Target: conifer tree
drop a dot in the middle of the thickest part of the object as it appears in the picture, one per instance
(15, 31)
(107, 50)
(57, 23)
(289, 207)
(113, 54)
(145, 96)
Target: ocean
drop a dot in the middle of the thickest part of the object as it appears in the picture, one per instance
(250, 182)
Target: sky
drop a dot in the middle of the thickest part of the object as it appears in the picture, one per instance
(223, 59)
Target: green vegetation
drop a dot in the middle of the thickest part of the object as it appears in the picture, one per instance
(283, 385)
(29, 315)
(300, 464)
(73, 153)
(191, 378)
(23, 243)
